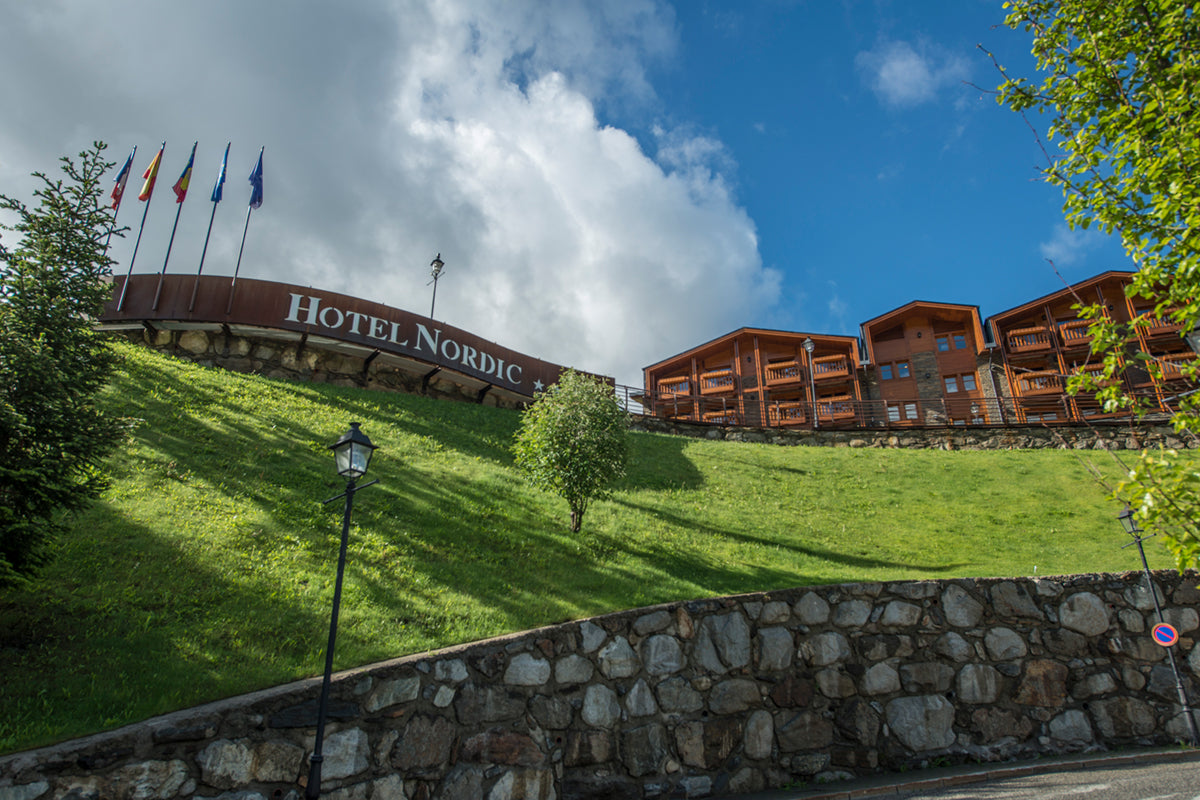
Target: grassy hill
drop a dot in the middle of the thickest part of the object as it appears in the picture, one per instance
(207, 569)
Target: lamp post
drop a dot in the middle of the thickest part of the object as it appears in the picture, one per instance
(809, 346)
(435, 271)
(352, 454)
(1131, 527)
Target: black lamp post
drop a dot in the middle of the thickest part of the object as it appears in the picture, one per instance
(352, 454)
(809, 346)
(1131, 527)
(435, 271)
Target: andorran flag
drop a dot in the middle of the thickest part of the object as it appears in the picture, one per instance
(151, 174)
(181, 186)
(122, 178)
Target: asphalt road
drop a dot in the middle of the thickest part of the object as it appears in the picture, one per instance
(1178, 781)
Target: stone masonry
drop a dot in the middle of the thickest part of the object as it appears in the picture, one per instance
(718, 696)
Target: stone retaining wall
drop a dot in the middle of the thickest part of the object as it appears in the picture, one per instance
(276, 358)
(718, 696)
(1109, 436)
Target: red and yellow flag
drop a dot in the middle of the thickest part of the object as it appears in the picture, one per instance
(151, 174)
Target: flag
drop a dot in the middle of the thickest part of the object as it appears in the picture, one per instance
(121, 179)
(151, 174)
(181, 186)
(220, 184)
(256, 192)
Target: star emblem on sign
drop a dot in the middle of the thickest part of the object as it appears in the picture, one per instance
(538, 385)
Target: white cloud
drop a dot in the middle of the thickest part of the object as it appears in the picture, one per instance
(396, 130)
(1067, 247)
(902, 75)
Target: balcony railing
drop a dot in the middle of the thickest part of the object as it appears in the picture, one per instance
(787, 413)
(782, 373)
(1157, 326)
(829, 367)
(1029, 340)
(835, 408)
(1172, 365)
(672, 388)
(1075, 333)
(1030, 384)
(725, 416)
(1047, 403)
(718, 381)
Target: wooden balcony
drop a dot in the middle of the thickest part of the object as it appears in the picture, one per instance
(674, 388)
(1172, 365)
(783, 373)
(830, 367)
(835, 408)
(1097, 373)
(718, 381)
(789, 413)
(1029, 340)
(1075, 333)
(1160, 326)
(725, 416)
(1032, 384)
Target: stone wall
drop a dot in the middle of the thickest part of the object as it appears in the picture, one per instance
(1109, 436)
(277, 358)
(718, 696)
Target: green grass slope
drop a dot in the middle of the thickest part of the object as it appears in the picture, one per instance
(207, 568)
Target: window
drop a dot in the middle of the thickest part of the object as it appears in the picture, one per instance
(885, 372)
(960, 341)
(910, 410)
(893, 413)
(943, 344)
(897, 370)
(966, 382)
(902, 369)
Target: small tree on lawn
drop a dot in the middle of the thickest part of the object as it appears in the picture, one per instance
(572, 441)
(52, 364)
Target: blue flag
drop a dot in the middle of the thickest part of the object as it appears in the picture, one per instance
(256, 193)
(220, 184)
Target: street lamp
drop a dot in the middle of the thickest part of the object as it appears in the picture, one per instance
(352, 455)
(435, 271)
(809, 346)
(1131, 527)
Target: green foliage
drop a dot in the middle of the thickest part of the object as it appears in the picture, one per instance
(572, 441)
(1164, 488)
(1122, 86)
(53, 438)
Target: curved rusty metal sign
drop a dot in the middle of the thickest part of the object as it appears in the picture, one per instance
(266, 304)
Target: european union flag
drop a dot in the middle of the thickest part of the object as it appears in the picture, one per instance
(220, 184)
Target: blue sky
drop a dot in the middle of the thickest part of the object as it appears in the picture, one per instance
(609, 183)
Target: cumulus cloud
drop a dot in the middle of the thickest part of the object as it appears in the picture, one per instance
(903, 75)
(397, 130)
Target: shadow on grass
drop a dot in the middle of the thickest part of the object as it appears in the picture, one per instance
(136, 627)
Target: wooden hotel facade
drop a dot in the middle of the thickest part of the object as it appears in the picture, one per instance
(921, 364)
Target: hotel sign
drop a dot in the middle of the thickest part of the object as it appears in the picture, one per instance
(266, 304)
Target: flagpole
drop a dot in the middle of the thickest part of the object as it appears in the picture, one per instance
(233, 283)
(196, 285)
(216, 198)
(256, 198)
(150, 176)
(117, 210)
(121, 302)
(111, 228)
(163, 273)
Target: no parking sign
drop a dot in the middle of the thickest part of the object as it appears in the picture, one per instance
(1165, 634)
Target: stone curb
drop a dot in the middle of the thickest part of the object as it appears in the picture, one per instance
(882, 786)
